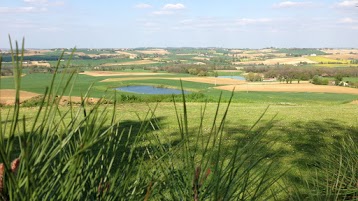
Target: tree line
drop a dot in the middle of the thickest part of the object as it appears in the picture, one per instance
(288, 74)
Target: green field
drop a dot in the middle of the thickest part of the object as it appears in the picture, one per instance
(37, 82)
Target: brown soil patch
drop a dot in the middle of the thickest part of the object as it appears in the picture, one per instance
(7, 96)
(111, 73)
(340, 51)
(154, 51)
(77, 53)
(342, 56)
(138, 62)
(256, 55)
(131, 55)
(303, 87)
(355, 102)
(199, 63)
(38, 63)
(93, 56)
(65, 100)
(36, 52)
(289, 61)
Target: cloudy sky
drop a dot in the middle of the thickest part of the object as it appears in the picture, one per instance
(180, 23)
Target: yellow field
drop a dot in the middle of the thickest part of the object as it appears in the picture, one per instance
(325, 60)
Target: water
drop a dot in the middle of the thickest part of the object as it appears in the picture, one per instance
(149, 90)
(236, 77)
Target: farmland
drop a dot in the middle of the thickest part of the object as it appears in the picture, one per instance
(299, 121)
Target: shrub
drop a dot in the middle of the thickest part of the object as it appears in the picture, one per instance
(318, 80)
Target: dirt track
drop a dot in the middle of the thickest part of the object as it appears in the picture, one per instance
(303, 87)
(7, 96)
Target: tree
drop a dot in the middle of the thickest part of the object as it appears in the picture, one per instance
(338, 78)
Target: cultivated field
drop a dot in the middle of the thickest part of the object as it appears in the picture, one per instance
(287, 61)
(281, 87)
(138, 62)
(288, 129)
(154, 51)
(7, 96)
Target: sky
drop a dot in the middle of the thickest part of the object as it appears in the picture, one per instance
(180, 23)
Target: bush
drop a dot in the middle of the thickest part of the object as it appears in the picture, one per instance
(318, 80)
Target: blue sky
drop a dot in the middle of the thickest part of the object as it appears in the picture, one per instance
(180, 23)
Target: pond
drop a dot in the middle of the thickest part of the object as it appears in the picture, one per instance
(236, 77)
(150, 90)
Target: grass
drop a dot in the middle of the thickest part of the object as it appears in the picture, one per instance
(351, 79)
(170, 151)
(300, 133)
(38, 82)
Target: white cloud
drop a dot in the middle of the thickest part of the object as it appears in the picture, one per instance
(169, 9)
(292, 4)
(177, 6)
(162, 12)
(35, 1)
(246, 21)
(44, 3)
(34, 6)
(143, 6)
(28, 9)
(348, 20)
(347, 4)
(50, 29)
(58, 3)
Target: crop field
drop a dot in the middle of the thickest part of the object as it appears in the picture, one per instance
(154, 51)
(7, 96)
(340, 51)
(288, 61)
(282, 87)
(326, 60)
(342, 56)
(209, 87)
(139, 62)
